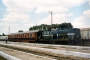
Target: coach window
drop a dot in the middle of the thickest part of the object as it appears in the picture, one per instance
(10, 36)
(28, 34)
(33, 33)
(21, 35)
(25, 35)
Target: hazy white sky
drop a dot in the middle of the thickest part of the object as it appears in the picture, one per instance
(22, 14)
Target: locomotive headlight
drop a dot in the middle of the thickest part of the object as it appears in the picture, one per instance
(77, 36)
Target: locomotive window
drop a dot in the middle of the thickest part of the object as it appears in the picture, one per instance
(47, 32)
(50, 32)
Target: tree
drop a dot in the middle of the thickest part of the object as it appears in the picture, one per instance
(20, 31)
(49, 27)
(31, 28)
(3, 34)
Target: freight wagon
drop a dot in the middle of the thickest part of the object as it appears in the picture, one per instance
(85, 36)
(3, 38)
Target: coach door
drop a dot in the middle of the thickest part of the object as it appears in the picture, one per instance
(39, 35)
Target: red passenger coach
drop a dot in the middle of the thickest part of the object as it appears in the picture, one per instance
(30, 36)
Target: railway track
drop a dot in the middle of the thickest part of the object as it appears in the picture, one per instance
(51, 57)
(57, 47)
(60, 57)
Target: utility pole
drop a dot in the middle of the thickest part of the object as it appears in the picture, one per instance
(51, 18)
(88, 33)
(8, 30)
(51, 23)
(8, 33)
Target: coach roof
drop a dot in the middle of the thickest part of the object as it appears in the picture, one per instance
(25, 32)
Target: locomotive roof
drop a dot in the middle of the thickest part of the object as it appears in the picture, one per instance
(25, 32)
